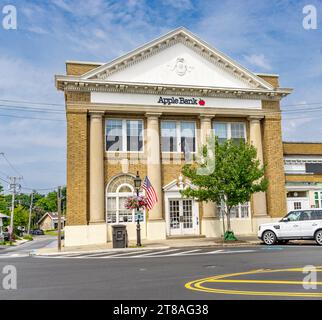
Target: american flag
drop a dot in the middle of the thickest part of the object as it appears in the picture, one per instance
(151, 196)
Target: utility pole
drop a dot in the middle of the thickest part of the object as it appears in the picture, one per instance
(30, 210)
(14, 187)
(59, 217)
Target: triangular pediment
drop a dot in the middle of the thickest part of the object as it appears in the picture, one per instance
(177, 185)
(178, 58)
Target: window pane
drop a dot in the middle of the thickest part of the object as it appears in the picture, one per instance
(111, 210)
(125, 215)
(114, 135)
(316, 215)
(294, 216)
(134, 129)
(244, 209)
(168, 136)
(221, 131)
(188, 137)
(237, 132)
(297, 205)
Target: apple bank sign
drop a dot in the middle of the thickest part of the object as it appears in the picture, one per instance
(181, 100)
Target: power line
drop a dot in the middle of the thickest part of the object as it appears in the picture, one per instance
(30, 102)
(33, 118)
(4, 180)
(30, 109)
(10, 164)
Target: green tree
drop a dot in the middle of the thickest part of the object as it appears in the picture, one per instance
(227, 173)
(48, 203)
(4, 208)
(20, 218)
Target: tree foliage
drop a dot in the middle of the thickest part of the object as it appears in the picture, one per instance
(227, 172)
(41, 204)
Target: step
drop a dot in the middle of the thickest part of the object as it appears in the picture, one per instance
(186, 237)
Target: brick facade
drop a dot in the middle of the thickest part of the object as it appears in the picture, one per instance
(77, 168)
(273, 159)
(302, 148)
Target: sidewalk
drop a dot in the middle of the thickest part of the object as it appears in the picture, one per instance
(150, 245)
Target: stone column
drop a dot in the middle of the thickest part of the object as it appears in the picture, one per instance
(156, 228)
(209, 208)
(96, 169)
(210, 225)
(259, 198)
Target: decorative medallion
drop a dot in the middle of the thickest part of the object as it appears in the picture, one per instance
(180, 67)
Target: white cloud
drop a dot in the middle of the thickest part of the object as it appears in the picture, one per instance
(258, 60)
(178, 4)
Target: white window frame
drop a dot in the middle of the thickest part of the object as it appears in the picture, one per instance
(178, 135)
(239, 212)
(319, 192)
(117, 207)
(229, 128)
(124, 136)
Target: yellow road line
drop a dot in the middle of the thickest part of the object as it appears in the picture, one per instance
(262, 281)
(197, 285)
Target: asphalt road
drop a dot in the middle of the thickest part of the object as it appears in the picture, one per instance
(166, 276)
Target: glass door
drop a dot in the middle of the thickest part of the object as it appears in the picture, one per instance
(181, 217)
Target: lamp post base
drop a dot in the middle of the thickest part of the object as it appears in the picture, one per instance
(138, 234)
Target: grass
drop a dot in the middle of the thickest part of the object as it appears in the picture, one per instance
(27, 237)
(52, 232)
(6, 243)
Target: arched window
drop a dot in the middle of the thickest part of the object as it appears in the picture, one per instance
(118, 190)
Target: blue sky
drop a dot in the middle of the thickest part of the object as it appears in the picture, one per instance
(264, 36)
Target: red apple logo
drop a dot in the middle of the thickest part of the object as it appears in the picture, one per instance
(202, 102)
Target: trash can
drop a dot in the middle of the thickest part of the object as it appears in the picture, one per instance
(120, 239)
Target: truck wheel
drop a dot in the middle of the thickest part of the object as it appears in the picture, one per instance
(318, 237)
(269, 237)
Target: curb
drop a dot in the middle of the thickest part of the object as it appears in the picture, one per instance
(116, 250)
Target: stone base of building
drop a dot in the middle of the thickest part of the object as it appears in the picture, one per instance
(131, 231)
(85, 235)
(213, 227)
(156, 230)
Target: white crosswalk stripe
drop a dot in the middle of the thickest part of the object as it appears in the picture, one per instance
(149, 253)
(14, 255)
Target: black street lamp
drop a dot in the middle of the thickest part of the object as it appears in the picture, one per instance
(137, 185)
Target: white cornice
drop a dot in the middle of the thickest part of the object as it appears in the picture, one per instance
(184, 36)
(74, 83)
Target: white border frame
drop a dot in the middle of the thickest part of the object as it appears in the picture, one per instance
(124, 135)
(178, 135)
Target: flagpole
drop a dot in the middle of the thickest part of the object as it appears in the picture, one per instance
(146, 222)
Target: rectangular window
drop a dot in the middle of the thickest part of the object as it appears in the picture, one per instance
(168, 136)
(230, 130)
(134, 129)
(114, 135)
(178, 136)
(239, 211)
(188, 139)
(237, 132)
(124, 135)
(318, 199)
(297, 205)
(221, 132)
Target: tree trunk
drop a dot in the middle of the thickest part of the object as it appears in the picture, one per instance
(228, 219)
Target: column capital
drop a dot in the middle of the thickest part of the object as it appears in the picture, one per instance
(96, 114)
(153, 115)
(206, 117)
(255, 118)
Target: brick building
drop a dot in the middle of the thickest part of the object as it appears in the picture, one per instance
(303, 174)
(147, 111)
